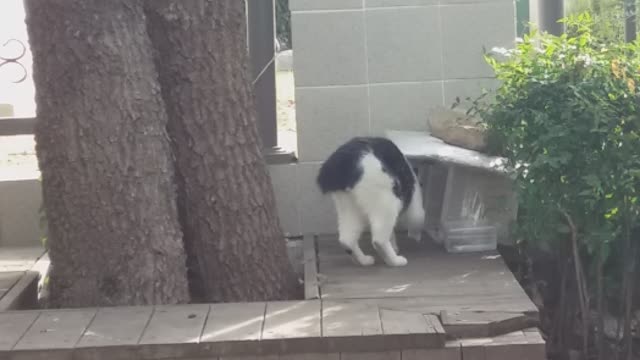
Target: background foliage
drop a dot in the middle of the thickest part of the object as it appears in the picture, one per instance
(283, 23)
(566, 118)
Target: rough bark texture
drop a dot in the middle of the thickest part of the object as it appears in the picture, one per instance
(227, 201)
(107, 171)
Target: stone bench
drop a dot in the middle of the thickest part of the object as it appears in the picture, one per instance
(453, 177)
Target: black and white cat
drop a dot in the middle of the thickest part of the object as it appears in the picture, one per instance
(372, 183)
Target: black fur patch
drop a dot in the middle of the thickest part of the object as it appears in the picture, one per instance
(342, 170)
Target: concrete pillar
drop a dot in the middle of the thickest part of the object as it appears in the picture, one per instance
(549, 12)
(630, 20)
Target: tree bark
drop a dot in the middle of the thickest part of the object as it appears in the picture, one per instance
(107, 172)
(227, 202)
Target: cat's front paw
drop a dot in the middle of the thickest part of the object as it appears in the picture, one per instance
(367, 260)
(398, 261)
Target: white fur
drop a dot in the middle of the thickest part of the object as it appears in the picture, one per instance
(372, 203)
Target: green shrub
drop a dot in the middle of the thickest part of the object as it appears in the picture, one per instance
(283, 23)
(566, 117)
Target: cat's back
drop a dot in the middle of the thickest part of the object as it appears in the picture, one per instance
(343, 169)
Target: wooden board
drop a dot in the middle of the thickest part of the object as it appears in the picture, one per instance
(432, 281)
(23, 295)
(311, 290)
(116, 326)
(292, 327)
(19, 258)
(411, 330)
(13, 325)
(341, 319)
(234, 322)
(292, 319)
(476, 324)
(8, 280)
(56, 330)
(234, 328)
(56, 335)
(176, 324)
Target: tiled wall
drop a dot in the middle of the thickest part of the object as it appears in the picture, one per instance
(364, 66)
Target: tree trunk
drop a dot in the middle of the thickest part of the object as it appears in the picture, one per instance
(107, 171)
(227, 202)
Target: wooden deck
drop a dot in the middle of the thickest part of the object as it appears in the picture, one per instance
(18, 280)
(432, 282)
(440, 307)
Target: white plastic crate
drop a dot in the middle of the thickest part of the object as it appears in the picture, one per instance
(465, 236)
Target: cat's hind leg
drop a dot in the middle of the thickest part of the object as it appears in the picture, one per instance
(394, 242)
(351, 224)
(382, 217)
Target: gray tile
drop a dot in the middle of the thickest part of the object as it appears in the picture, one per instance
(403, 44)
(392, 3)
(285, 185)
(403, 106)
(467, 29)
(317, 212)
(471, 88)
(329, 48)
(304, 5)
(327, 117)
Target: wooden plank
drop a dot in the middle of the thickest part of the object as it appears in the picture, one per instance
(175, 324)
(435, 322)
(13, 325)
(234, 322)
(311, 286)
(449, 353)
(341, 319)
(257, 357)
(17, 126)
(292, 327)
(116, 326)
(432, 281)
(472, 351)
(386, 355)
(404, 322)
(511, 323)
(410, 330)
(515, 351)
(466, 324)
(234, 328)
(8, 280)
(352, 326)
(292, 319)
(56, 330)
(19, 258)
(435, 304)
(23, 295)
(315, 356)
